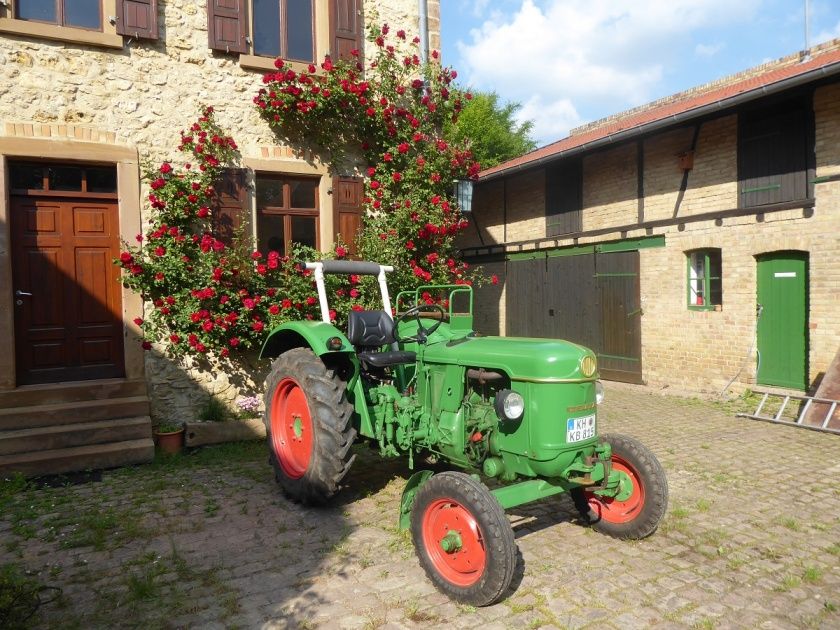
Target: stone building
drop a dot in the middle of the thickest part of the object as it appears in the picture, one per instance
(90, 91)
(692, 242)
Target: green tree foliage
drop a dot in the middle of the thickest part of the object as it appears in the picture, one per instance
(489, 126)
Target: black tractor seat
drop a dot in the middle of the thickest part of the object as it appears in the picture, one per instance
(368, 331)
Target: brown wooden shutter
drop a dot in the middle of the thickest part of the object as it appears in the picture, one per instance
(227, 25)
(563, 198)
(348, 210)
(231, 205)
(345, 28)
(137, 18)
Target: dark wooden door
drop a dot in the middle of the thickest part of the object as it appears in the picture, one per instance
(620, 350)
(572, 300)
(70, 327)
(592, 299)
(525, 302)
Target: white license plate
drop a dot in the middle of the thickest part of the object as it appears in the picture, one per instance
(579, 429)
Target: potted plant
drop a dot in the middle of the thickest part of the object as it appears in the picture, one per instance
(169, 436)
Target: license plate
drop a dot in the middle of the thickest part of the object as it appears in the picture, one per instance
(579, 429)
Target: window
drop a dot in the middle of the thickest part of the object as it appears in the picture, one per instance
(283, 28)
(773, 156)
(262, 30)
(287, 212)
(76, 13)
(563, 198)
(54, 179)
(80, 21)
(705, 290)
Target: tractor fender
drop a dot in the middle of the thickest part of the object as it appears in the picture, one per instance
(304, 334)
(409, 493)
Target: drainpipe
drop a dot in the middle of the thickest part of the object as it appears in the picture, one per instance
(424, 31)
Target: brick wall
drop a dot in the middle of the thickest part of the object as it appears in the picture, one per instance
(609, 187)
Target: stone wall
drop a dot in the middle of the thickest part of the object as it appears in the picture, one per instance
(140, 96)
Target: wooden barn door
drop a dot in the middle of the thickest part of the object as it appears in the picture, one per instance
(620, 348)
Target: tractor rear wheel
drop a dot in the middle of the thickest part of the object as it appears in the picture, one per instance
(463, 539)
(308, 422)
(638, 514)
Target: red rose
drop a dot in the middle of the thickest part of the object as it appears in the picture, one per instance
(165, 168)
(147, 345)
(174, 338)
(234, 341)
(138, 321)
(203, 211)
(286, 303)
(494, 279)
(126, 258)
(274, 309)
(340, 251)
(311, 301)
(397, 177)
(258, 326)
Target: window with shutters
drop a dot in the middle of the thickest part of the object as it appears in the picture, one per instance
(81, 21)
(263, 30)
(773, 154)
(705, 283)
(287, 212)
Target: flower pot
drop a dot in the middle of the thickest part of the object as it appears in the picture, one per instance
(170, 441)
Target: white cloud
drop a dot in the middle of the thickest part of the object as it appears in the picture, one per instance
(558, 57)
(708, 50)
(826, 35)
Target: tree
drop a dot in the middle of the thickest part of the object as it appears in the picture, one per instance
(493, 134)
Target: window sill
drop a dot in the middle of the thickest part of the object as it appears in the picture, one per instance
(60, 33)
(257, 62)
(710, 307)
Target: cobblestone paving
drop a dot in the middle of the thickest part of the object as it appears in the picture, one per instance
(751, 539)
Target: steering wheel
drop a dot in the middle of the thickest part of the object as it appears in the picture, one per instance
(414, 313)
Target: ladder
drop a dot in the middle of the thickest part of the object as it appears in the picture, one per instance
(798, 420)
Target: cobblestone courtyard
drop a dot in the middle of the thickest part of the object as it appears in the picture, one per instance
(751, 539)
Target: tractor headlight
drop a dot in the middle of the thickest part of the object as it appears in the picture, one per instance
(599, 392)
(509, 404)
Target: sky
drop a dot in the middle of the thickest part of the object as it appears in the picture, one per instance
(569, 62)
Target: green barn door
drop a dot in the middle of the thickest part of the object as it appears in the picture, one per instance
(783, 319)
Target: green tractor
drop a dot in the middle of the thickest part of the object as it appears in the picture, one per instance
(521, 412)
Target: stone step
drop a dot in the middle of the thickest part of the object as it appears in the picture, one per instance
(65, 460)
(76, 391)
(80, 434)
(72, 412)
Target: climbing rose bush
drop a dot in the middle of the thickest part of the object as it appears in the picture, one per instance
(390, 117)
(202, 296)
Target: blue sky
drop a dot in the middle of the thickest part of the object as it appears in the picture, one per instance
(568, 62)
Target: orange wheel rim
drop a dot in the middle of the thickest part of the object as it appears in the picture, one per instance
(291, 428)
(612, 511)
(447, 519)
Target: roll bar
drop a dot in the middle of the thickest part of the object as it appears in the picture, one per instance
(349, 267)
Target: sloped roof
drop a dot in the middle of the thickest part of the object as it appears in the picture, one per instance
(754, 83)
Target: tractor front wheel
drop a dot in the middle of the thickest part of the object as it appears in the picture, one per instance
(308, 423)
(643, 498)
(463, 539)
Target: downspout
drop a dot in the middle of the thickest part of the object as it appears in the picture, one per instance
(424, 31)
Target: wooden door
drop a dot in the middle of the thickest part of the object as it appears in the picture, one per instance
(783, 320)
(620, 349)
(70, 326)
(525, 303)
(573, 305)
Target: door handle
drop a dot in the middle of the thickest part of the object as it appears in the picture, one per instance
(20, 293)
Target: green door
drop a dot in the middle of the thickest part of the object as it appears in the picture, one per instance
(783, 319)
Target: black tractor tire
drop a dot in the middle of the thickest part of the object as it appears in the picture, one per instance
(638, 516)
(309, 426)
(479, 571)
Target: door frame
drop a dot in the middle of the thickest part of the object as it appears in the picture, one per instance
(60, 147)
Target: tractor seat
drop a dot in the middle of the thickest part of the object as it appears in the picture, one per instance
(370, 330)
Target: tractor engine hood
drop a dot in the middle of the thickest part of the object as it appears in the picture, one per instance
(522, 358)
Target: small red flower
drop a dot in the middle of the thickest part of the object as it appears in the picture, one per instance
(311, 301)
(174, 338)
(340, 252)
(494, 279)
(138, 321)
(165, 168)
(147, 345)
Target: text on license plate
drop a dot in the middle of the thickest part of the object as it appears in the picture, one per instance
(579, 429)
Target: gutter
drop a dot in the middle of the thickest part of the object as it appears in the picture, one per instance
(668, 121)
